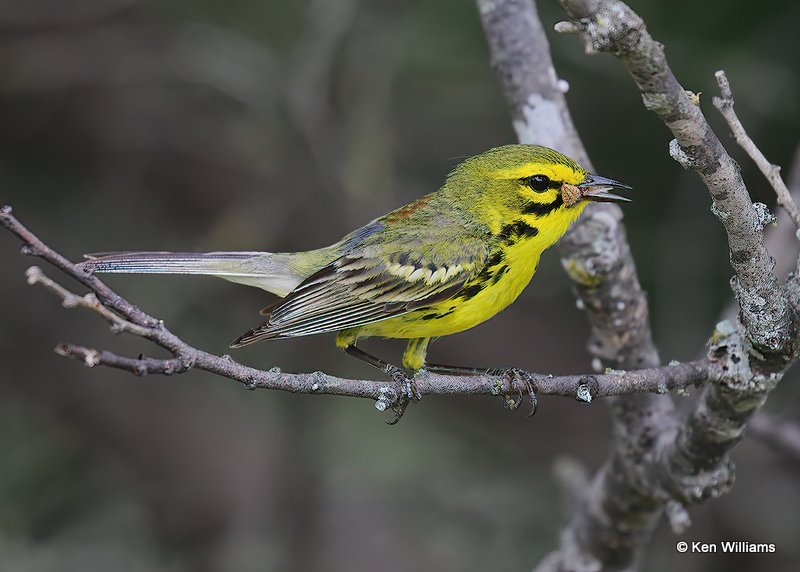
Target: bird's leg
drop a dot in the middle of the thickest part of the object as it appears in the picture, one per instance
(515, 376)
(397, 374)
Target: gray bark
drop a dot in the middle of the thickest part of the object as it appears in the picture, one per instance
(657, 461)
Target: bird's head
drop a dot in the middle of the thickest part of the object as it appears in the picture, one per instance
(540, 180)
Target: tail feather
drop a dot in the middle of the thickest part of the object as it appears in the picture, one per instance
(269, 271)
(165, 262)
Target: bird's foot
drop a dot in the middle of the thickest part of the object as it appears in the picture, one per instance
(519, 378)
(408, 391)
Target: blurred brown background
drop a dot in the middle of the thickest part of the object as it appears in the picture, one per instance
(207, 125)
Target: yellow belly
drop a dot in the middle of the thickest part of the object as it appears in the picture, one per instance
(458, 314)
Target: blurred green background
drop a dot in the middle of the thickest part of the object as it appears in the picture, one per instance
(207, 125)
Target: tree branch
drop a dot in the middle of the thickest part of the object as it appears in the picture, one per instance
(90, 301)
(718, 421)
(685, 463)
(611, 26)
(772, 172)
(127, 318)
(597, 258)
(781, 240)
(137, 366)
(33, 246)
(595, 251)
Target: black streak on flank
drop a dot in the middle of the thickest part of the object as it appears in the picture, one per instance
(471, 291)
(495, 259)
(541, 209)
(435, 316)
(491, 263)
(499, 274)
(510, 233)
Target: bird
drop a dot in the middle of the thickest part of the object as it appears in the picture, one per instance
(439, 265)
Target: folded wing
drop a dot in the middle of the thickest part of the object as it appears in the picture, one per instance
(373, 283)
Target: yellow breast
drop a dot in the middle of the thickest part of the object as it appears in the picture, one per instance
(506, 274)
(483, 297)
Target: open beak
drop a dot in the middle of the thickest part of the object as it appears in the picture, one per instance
(596, 188)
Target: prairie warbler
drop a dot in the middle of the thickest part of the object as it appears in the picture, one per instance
(439, 265)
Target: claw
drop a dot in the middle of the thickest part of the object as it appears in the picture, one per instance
(409, 392)
(517, 378)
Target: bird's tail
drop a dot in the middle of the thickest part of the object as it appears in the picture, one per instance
(274, 272)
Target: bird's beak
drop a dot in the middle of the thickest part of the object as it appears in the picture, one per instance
(596, 188)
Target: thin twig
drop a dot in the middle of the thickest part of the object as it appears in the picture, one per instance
(137, 366)
(69, 299)
(771, 171)
(33, 246)
(781, 239)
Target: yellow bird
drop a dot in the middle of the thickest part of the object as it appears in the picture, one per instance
(434, 267)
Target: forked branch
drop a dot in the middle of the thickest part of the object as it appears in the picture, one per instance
(612, 26)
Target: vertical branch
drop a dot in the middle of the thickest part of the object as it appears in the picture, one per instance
(595, 251)
(520, 54)
(619, 513)
(689, 464)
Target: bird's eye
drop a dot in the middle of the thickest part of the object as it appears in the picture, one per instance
(539, 183)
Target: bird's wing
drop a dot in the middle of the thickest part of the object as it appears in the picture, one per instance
(387, 275)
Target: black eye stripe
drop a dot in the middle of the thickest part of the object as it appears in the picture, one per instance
(540, 183)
